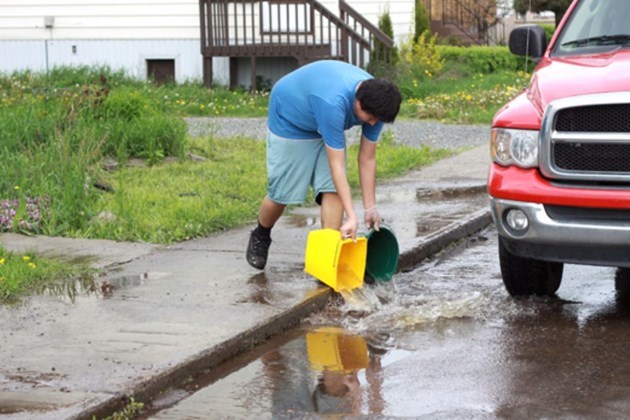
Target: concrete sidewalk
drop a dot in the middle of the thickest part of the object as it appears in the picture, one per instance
(163, 313)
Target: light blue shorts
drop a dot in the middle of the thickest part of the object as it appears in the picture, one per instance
(293, 166)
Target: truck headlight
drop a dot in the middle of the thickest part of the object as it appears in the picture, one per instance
(515, 147)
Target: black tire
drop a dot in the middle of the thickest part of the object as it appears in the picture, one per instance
(622, 282)
(527, 276)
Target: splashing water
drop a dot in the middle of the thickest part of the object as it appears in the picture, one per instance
(360, 300)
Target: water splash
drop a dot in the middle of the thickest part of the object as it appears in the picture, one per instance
(362, 300)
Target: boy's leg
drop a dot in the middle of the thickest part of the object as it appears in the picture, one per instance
(331, 211)
(290, 166)
(269, 212)
(260, 238)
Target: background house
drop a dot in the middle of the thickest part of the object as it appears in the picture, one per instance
(147, 38)
(162, 39)
(144, 37)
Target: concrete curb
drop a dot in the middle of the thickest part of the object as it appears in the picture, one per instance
(211, 357)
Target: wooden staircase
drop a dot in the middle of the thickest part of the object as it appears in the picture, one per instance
(302, 29)
(472, 21)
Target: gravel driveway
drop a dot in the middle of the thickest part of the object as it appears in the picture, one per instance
(413, 133)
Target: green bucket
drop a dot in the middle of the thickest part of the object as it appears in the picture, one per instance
(382, 254)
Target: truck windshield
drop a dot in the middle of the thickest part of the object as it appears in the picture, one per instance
(595, 26)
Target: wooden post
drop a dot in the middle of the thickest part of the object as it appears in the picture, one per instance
(233, 73)
(253, 60)
(207, 72)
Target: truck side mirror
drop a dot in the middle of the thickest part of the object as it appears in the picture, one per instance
(529, 40)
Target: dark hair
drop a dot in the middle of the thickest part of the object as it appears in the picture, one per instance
(379, 98)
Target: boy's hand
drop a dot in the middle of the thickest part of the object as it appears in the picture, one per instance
(372, 218)
(349, 229)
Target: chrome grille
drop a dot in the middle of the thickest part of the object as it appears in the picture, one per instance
(592, 157)
(595, 119)
(587, 139)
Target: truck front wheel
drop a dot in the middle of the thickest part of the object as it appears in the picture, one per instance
(622, 282)
(527, 276)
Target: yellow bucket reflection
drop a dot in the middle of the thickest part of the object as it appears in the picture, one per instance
(331, 348)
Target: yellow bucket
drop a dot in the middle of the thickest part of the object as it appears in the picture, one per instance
(339, 263)
(331, 348)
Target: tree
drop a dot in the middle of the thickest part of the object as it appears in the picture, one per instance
(558, 7)
(421, 20)
(380, 64)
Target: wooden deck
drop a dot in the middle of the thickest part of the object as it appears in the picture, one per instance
(302, 29)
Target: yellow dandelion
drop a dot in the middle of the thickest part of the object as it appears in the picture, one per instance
(17, 187)
(32, 265)
(1, 261)
(26, 258)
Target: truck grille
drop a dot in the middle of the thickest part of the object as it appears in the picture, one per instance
(587, 138)
(592, 157)
(595, 119)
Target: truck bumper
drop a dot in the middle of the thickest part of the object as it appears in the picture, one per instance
(579, 240)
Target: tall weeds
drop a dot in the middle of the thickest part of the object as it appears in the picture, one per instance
(58, 129)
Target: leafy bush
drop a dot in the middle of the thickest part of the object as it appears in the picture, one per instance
(56, 131)
(421, 56)
(379, 66)
(549, 30)
(421, 20)
(479, 59)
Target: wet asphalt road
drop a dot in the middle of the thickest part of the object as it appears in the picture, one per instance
(442, 341)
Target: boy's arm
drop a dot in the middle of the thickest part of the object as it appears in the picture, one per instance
(367, 177)
(337, 162)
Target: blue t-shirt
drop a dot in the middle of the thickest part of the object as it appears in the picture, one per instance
(317, 100)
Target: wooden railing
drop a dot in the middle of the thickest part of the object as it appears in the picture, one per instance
(473, 18)
(380, 45)
(303, 29)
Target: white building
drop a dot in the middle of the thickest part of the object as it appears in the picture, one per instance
(143, 37)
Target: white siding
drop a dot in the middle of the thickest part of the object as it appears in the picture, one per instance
(130, 55)
(400, 11)
(118, 33)
(125, 33)
(99, 19)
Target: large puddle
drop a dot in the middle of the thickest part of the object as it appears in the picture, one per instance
(442, 341)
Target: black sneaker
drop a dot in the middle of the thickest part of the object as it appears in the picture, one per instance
(257, 250)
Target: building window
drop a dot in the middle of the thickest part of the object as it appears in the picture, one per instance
(161, 71)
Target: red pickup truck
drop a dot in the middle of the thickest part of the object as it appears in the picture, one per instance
(559, 181)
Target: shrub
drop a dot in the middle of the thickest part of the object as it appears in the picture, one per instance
(419, 59)
(379, 66)
(479, 59)
(549, 30)
(421, 20)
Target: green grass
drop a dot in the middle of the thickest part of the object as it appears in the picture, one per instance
(453, 99)
(23, 274)
(193, 99)
(178, 201)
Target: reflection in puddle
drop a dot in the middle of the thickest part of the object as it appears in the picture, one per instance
(266, 292)
(85, 285)
(107, 286)
(324, 370)
(259, 291)
(258, 279)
